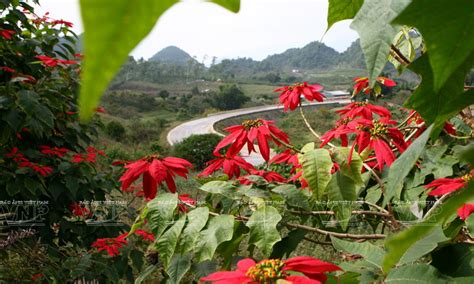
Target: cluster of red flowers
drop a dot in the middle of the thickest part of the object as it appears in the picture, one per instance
(362, 84)
(89, 157)
(79, 210)
(290, 96)
(18, 76)
(7, 34)
(23, 162)
(53, 62)
(308, 270)
(55, 151)
(444, 186)
(113, 245)
(154, 171)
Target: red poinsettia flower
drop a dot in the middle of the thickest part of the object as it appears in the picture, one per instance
(298, 177)
(465, 211)
(251, 131)
(271, 270)
(185, 200)
(79, 210)
(443, 186)
(377, 136)
(61, 22)
(364, 110)
(155, 170)
(269, 176)
(145, 235)
(231, 166)
(53, 62)
(362, 84)
(7, 69)
(7, 34)
(339, 132)
(290, 96)
(55, 151)
(418, 121)
(111, 245)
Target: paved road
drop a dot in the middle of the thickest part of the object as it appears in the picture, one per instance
(205, 125)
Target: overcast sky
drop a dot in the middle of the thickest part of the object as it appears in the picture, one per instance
(261, 28)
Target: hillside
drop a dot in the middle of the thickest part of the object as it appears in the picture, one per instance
(172, 55)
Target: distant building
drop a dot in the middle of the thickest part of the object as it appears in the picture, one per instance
(295, 71)
(336, 93)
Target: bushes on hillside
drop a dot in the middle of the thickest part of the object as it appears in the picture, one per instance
(197, 149)
(229, 97)
(115, 130)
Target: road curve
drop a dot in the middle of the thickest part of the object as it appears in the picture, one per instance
(205, 125)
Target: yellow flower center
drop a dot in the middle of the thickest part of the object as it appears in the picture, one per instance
(467, 177)
(360, 104)
(267, 271)
(295, 85)
(379, 129)
(247, 124)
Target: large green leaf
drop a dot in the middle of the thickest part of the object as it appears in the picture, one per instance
(178, 267)
(219, 230)
(342, 9)
(145, 273)
(232, 5)
(112, 28)
(403, 165)
(373, 23)
(161, 212)
(456, 260)
(398, 244)
(288, 244)
(342, 189)
(166, 244)
(352, 168)
(294, 196)
(438, 106)
(371, 253)
(263, 231)
(197, 220)
(447, 30)
(417, 273)
(317, 165)
(423, 246)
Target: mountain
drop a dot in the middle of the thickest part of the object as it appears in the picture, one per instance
(172, 55)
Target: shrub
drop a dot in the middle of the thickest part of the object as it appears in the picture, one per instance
(197, 149)
(115, 130)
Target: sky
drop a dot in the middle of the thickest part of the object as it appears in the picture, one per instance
(204, 30)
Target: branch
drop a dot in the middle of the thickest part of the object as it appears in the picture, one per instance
(354, 212)
(395, 52)
(335, 234)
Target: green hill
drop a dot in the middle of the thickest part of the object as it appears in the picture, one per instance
(172, 55)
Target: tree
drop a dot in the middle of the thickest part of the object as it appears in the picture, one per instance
(115, 130)
(197, 149)
(164, 94)
(228, 97)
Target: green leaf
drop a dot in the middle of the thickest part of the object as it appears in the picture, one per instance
(166, 243)
(145, 273)
(371, 253)
(470, 225)
(228, 250)
(161, 212)
(197, 220)
(456, 260)
(263, 231)
(293, 196)
(219, 230)
(44, 115)
(376, 33)
(178, 267)
(423, 246)
(28, 101)
(465, 153)
(438, 106)
(341, 10)
(317, 165)
(447, 32)
(398, 244)
(417, 273)
(219, 187)
(341, 189)
(112, 28)
(232, 5)
(403, 165)
(350, 169)
(288, 244)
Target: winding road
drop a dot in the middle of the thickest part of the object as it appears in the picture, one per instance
(205, 125)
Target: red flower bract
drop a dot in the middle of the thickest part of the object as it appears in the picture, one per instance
(7, 34)
(465, 211)
(53, 62)
(230, 165)
(362, 84)
(269, 176)
(111, 245)
(443, 186)
(271, 270)
(364, 110)
(145, 235)
(290, 96)
(154, 171)
(79, 210)
(185, 200)
(251, 131)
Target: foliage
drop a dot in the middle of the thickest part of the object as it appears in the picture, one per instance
(229, 97)
(115, 130)
(197, 149)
